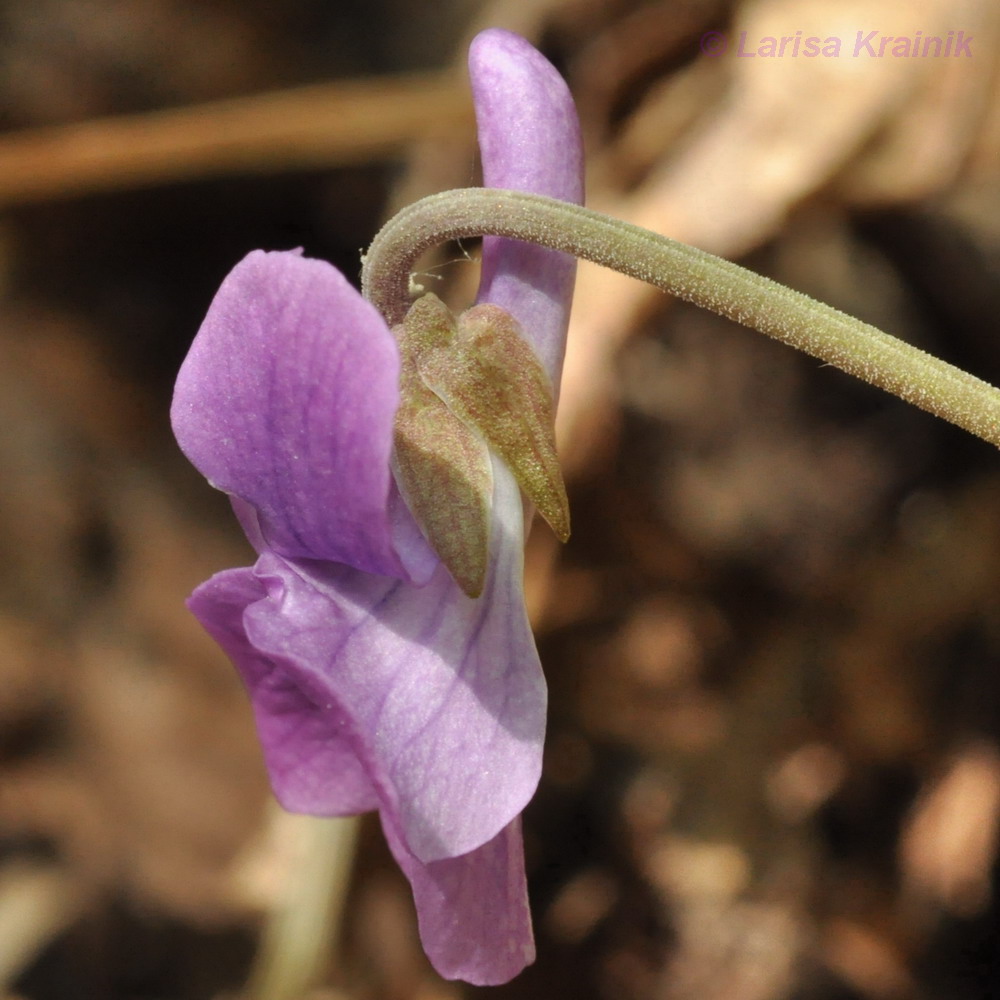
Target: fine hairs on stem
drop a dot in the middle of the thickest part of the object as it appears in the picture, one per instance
(687, 273)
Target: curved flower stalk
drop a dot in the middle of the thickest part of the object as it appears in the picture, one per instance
(376, 682)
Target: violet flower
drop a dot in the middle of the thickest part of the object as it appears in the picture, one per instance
(376, 683)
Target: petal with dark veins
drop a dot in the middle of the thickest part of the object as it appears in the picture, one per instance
(444, 692)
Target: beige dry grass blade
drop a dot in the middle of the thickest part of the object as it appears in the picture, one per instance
(36, 903)
(316, 126)
(299, 940)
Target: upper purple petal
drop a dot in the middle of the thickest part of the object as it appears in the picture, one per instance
(529, 138)
(286, 400)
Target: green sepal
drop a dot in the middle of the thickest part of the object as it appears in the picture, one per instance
(442, 467)
(489, 376)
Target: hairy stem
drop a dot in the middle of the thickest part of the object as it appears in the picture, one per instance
(687, 273)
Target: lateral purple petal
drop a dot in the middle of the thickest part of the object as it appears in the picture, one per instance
(286, 400)
(529, 138)
(308, 745)
(443, 694)
(472, 910)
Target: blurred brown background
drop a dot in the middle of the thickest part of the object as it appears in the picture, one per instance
(773, 640)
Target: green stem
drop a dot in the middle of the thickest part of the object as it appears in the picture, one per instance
(687, 273)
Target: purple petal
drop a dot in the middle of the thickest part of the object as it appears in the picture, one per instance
(529, 138)
(473, 910)
(286, 400)
(444, 694)
(308, 746)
